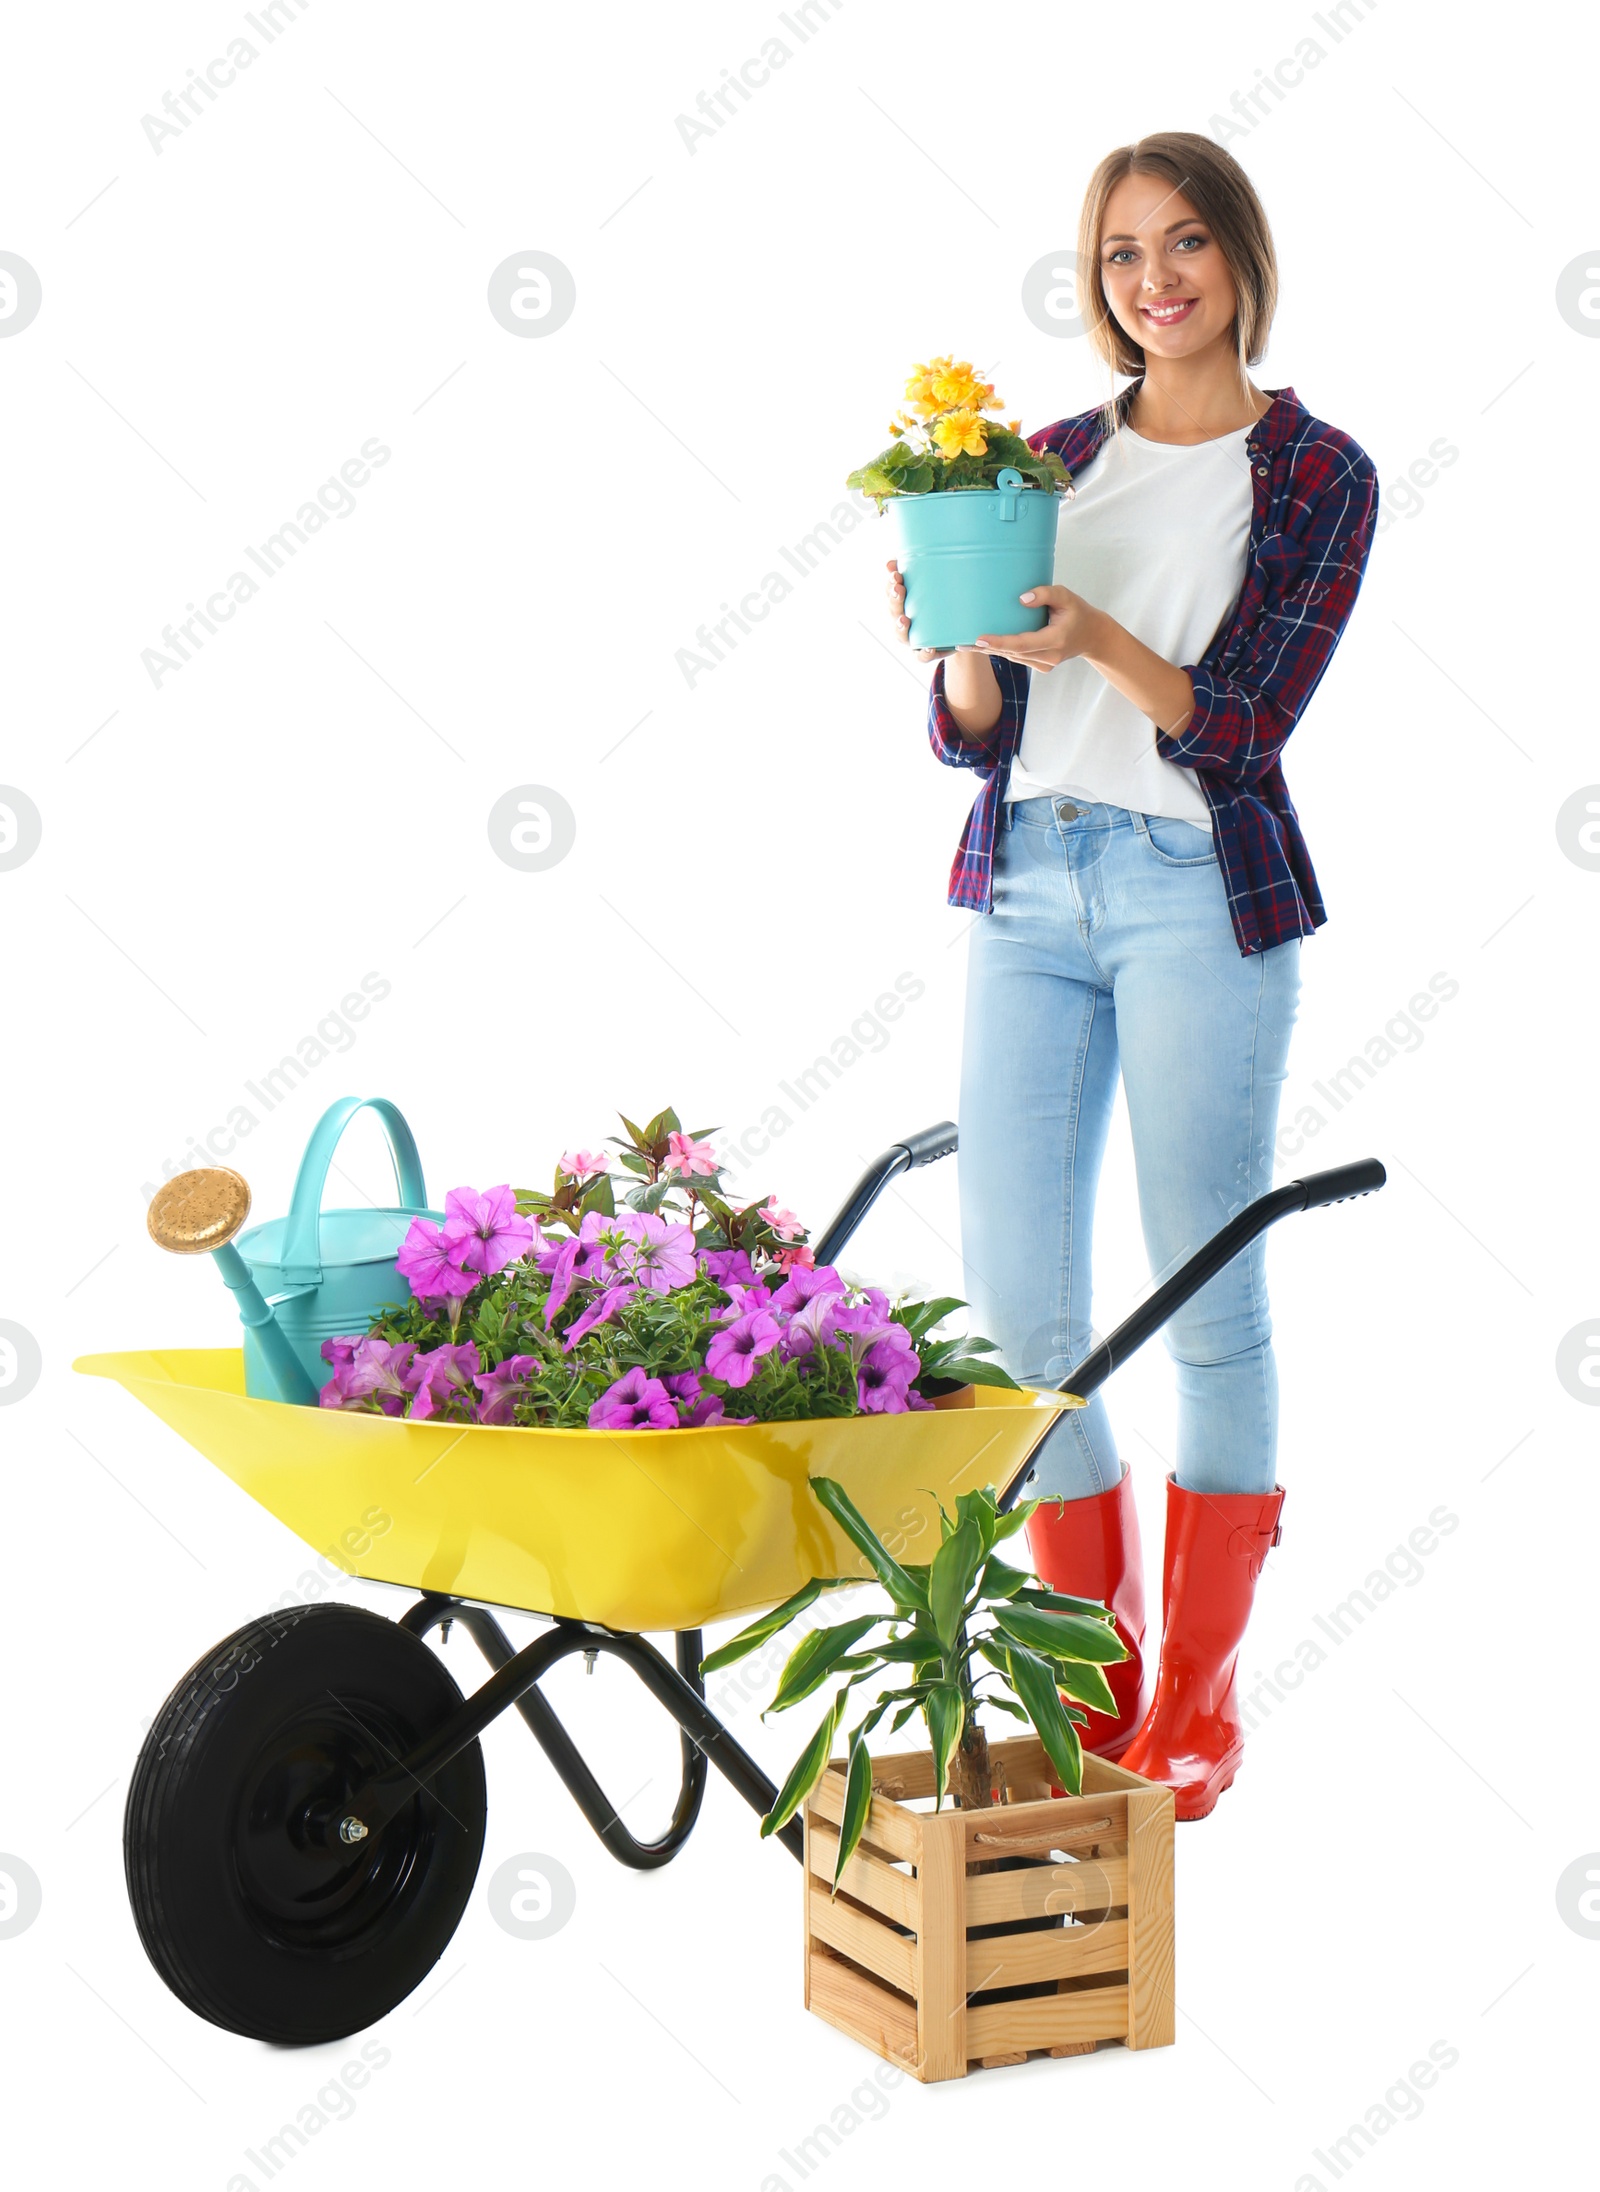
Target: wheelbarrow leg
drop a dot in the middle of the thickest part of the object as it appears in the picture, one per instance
(514, 1681)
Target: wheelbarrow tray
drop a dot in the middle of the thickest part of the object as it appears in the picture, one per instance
(637, 1530)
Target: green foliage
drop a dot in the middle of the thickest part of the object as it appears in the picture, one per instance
(904, 469)
(962, 1607)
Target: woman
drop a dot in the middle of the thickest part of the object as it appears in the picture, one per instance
(1144, 887)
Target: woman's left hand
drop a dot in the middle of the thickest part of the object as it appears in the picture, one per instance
(1066, 634)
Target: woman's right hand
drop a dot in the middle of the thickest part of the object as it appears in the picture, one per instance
(897, 609)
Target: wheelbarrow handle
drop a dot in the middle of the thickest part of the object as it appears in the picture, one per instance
(1337, 1185)
(925, 1148)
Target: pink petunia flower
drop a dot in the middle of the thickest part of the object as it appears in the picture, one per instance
(432, 1264)
(733, 1354)
(634, 1403)
(486, 1231)
(688, 1156)
(728, 1266)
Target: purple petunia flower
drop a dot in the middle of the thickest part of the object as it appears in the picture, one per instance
(695, 1405)
(485, 1231)
(733, 1354)
(373, 1370)
(444, 1380)
(581, 1256)
(803, 1285)
(884, 1375)
(498, 1388)
(658, 1255)
(431, 1264)
(600, 1311)
(634, 1403)
(729, 1266)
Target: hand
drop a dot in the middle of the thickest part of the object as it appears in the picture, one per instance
(1069, 631)
(897, 609)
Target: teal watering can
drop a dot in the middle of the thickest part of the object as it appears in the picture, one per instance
(967, 553)
(327, 1272)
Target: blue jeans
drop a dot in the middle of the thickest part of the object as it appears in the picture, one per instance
(1110, 947)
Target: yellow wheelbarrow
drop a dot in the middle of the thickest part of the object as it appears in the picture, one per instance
(306, 1817)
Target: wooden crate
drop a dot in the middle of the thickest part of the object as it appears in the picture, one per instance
(938, 1959)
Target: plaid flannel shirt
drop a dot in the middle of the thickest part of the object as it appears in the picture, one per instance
(1315, 504)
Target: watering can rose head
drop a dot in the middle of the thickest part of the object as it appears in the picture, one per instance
(678, 1310)
(945, 438)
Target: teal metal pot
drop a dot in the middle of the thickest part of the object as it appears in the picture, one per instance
(327, 1272)
(967, 553)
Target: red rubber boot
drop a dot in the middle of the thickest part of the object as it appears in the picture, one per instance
(1192, 1738)
(1090, 1549)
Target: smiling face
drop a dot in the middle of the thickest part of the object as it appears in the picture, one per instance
(1165, 280)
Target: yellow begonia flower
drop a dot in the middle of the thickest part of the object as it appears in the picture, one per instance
(1013, 426)
(961, 434)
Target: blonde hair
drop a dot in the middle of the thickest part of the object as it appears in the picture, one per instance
(1224, 198)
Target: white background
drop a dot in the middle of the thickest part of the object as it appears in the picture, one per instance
(305, 266)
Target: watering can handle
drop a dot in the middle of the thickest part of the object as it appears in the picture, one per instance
(302, 1247)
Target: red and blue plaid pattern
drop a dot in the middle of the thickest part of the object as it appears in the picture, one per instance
(1315, 507)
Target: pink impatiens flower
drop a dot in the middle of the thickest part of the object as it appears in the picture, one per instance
(583, 1164)
(486, 1232)
(783, 1222)
(801, 1258)
(733, 1354)
(688, 1156)
(432, 1264)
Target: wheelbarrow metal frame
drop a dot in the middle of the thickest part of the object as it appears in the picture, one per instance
(679, 1688)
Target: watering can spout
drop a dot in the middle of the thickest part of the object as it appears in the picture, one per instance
(198, 1214)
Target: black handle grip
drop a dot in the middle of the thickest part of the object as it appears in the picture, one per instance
(1241, 1229)
(925, 1148)
(932, 1143)
(1343, 1181)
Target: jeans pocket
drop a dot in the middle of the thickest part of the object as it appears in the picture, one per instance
(1175, 843)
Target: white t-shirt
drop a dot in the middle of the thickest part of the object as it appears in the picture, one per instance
(1156, 535)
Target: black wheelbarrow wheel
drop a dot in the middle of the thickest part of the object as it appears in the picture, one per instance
(252, 1910)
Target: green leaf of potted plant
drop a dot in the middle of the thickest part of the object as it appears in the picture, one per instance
(963, 1606)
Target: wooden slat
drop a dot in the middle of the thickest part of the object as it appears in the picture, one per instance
(1096, 1883)
(1151, 2017)
(858, 2005)
(1049, 2020)
(808, 1855)
(889, 1956)
(1101, 1777)
(869, 1879)
(1057, 1952)
(942, 2038)
(888, 1827)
